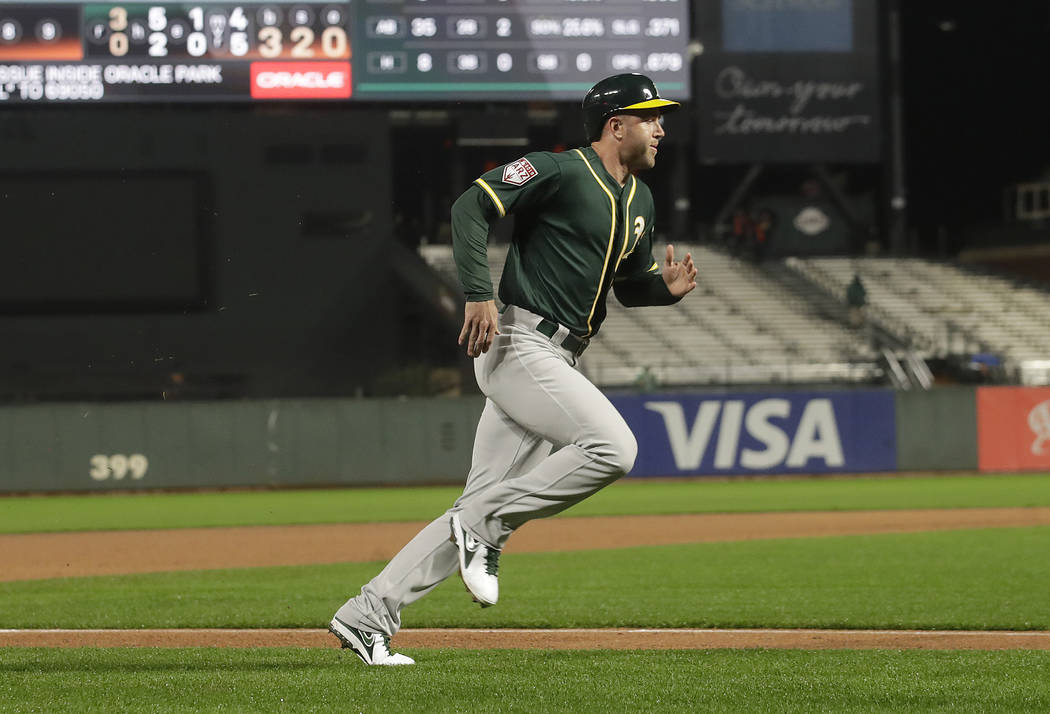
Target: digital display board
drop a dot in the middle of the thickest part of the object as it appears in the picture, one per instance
(357, 50)
(789, 82)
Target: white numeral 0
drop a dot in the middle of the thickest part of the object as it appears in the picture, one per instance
(196, 44)
(334, 42)
(118, 466)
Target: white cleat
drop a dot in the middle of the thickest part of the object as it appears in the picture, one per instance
(371, 647)
(478, 564)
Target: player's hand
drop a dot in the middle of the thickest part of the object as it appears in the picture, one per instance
(480, 326)
(680, 277)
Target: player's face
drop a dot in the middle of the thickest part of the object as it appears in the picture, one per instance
(642, 133)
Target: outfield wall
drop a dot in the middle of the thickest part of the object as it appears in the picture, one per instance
(141, 446)
(101, 447)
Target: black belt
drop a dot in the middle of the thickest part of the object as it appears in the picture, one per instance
(572, 343)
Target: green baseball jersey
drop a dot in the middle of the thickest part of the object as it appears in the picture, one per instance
(577, 233)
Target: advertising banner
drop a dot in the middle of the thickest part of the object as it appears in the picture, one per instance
(788, 82)
(790, 432)
(1013, 428)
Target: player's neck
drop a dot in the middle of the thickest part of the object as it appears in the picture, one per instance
(610, 158)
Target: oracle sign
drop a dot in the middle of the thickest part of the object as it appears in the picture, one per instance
(300, 80)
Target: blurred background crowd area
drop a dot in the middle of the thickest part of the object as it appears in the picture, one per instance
(867, 206)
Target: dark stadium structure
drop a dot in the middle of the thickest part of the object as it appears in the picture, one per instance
(162, 250)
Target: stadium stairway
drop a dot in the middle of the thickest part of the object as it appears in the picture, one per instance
(943, 309)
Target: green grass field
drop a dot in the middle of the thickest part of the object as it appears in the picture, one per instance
(978, 579)
(36, 514)
(965, 579)
(287, 680)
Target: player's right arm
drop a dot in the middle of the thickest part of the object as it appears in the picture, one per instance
(472, 214)
(480, 326)
(522, 183)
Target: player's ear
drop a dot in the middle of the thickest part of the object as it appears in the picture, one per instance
(615, 125)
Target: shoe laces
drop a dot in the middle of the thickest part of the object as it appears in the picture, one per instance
(491, 561)
(383, 643)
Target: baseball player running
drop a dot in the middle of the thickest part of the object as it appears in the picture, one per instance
(547, 437)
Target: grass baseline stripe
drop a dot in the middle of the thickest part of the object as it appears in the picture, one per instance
(553, 639)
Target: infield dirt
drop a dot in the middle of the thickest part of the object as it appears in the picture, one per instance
(51, 555)
(54, 555)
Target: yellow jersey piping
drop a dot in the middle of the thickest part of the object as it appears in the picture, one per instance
(626, 224)
(612, 238)
(492, 194)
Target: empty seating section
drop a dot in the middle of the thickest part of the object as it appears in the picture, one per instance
(948, 309)
(740, 326)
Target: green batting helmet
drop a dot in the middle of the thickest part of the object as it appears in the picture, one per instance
(616, 94)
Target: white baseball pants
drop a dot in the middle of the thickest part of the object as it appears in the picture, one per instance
(547, 439)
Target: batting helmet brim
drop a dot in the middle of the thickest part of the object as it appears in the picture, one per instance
(665, 104)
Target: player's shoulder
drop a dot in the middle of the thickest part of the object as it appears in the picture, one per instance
(575, 162)
(578, 155)
(565, 157)
(535, 164)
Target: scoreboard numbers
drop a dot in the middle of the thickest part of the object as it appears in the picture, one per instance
(118, 44)
(424, 27)
(511, 50)
(493, 49)
(302, 38)
(118, 22)
(118, 19)
(222, 31)
(158, 19)
(334, 42)
(196, 44)
(158, 45)
(270, 42)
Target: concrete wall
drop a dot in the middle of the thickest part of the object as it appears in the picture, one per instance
(150, 445)
(937, 430)
(101, 447)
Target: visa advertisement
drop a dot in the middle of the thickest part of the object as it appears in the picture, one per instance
(762, 433)
(1013, 428)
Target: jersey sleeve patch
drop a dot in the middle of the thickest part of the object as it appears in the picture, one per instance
(519, 172)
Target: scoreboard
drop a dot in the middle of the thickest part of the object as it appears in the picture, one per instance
(357, 50)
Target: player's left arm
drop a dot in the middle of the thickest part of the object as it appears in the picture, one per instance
(641, 280)
(680, 277)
